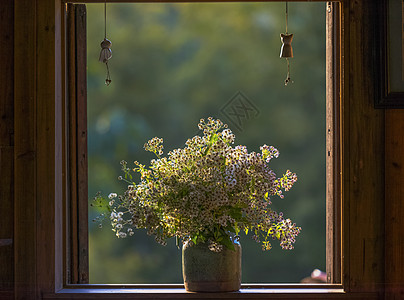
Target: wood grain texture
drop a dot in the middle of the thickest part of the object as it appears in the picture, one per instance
(78, 164)
(45, 145)
(82, 160)
(7, 73)
(72, 249)
(394, 204)
(363, 155)
(7, 149)
(25, 123)
(333, 140)
(6, 295)
(7, 226)
(49, 146)
(37, 169)
(59, 147)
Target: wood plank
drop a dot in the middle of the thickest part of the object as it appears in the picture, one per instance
(394, 204)
(60, 147)
(78, 165)
(48, 144)
(365, 156)
(6, 295)
(7, 74)
(243, 294)
(38, 148)
(7, 149)
(6, 215)
(344, 144)
(82, 160)
(25, 150)
(333, 165)
(45, 145)
(73, 257)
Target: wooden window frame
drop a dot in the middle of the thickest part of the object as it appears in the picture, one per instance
(76, 145)
(43, 156)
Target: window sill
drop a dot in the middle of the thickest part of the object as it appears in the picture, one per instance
(287, 291)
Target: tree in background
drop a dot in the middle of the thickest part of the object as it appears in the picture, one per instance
(173, 64)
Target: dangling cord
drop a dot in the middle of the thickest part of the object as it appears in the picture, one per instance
(286, 17)
(288, 80)
(105, 19)
(106, 44)
(108, 79)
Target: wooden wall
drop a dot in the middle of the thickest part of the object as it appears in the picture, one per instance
(373, 157)
(7, 149)
(363, 154)
(394, 205)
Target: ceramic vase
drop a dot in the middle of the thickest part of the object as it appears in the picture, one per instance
(208, 271)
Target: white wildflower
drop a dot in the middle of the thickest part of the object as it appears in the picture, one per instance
(112, 195)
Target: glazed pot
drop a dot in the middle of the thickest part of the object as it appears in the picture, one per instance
(208, 271)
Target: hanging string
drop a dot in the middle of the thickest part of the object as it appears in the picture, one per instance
(287, 80)
(108, 79)
(286, 49)
(286, 17)
(106, 52)
(105, 19)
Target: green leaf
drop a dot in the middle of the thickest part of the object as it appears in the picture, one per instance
(231, 229)
(235, 213)
(226, 241)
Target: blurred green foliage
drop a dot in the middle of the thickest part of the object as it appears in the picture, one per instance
(173, 64)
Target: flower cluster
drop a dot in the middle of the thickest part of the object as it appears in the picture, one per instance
(207, 191)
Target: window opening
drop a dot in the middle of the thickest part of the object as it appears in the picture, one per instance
(176, 63)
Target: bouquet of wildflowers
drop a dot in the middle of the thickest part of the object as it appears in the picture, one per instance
(207, 191)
